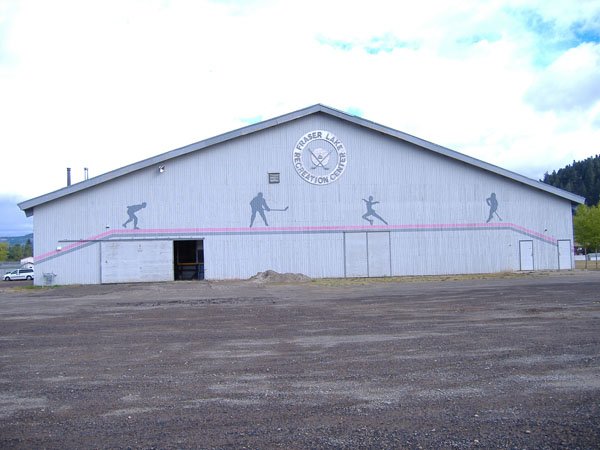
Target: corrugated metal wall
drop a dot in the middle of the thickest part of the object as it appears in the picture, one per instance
(435, 206)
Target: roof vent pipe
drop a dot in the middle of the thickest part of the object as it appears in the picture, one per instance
(68, 176)
(86, 174)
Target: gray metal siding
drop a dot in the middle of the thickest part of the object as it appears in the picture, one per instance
(445, 252)
(437, 204)
(239, 257)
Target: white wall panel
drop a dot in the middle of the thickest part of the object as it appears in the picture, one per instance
(128, 262)
(356, 256)
(378, 246)
(241, 256)
(78, 267)
(452, 252)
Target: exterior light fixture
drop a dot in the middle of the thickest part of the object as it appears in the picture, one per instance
(161, 169)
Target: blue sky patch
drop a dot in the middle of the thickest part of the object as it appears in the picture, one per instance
(335, 43)
(480, 37)
(547, 44)
(252, 120)
(536, 23)
(354, 111)
(552, 40)
(387, 43)
(586, 32)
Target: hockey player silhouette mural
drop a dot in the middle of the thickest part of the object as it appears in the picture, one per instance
(131, 210)
(492, 202)
(370, 211)
(259, 205)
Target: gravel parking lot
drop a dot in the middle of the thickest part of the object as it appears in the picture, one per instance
(510, 362)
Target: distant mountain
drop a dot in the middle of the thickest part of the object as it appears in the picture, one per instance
(14, 240)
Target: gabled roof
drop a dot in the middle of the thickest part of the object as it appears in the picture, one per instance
(29, 205)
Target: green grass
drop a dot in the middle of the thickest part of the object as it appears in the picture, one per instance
(412, 279)
(591, 265)
(33, 287)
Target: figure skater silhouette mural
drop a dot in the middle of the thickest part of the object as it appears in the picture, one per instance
(370, 211)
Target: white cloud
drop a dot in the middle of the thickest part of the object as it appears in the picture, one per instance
(103, 84)
(571, 82)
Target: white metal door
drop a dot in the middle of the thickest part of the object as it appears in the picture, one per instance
(526, 255)
(355, 255)
(378, 251)
(565, 253)
(130, 262)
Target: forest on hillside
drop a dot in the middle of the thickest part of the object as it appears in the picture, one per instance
(581, 178)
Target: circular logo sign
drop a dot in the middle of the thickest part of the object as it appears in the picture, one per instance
(319, 157)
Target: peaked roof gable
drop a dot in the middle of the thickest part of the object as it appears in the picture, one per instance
(29, 205)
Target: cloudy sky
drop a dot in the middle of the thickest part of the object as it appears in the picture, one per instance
(104, 83)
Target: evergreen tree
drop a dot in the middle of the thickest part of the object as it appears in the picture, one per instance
(580, 177)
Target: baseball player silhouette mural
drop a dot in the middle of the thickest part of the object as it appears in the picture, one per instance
(492, 202)
(131, 210)
(370, 211)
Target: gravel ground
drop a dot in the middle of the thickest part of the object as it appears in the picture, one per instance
(500, 362)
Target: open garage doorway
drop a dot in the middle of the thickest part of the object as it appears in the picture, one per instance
(188, 260)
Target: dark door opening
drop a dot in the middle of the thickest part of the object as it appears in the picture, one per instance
(188, 260)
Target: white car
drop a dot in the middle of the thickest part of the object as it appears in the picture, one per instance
(19, 274)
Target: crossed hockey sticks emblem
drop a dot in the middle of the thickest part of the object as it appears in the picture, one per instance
(319, 162)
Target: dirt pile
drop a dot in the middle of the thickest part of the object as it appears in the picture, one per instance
(270, 276)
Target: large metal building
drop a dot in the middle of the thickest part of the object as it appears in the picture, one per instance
(316, 191)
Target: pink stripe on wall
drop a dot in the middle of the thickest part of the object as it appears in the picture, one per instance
(267, 230)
